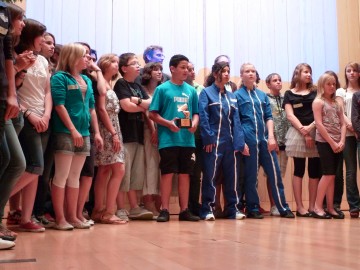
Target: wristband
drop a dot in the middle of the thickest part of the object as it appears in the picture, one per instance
(26, 116)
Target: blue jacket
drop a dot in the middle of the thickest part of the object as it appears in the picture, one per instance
(219, 118)
(255, 111)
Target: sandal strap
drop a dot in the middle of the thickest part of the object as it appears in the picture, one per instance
(6, 232)
(106, 219)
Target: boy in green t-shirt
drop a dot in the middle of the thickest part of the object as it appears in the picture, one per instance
(175, 100)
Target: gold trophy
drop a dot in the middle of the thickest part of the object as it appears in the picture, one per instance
(184, 122)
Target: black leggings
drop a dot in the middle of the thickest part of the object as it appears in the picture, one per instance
(314, 169)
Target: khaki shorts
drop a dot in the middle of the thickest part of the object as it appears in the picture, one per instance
(134, 167)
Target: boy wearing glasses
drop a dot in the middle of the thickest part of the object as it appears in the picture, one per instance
(134, 102)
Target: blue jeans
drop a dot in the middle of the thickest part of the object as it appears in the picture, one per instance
(352, 191)
(10, 151)
(2, 121)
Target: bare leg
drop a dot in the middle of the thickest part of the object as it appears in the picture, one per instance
(313, 189)
(183, 187)
(133, 199)
(165, 187)
(321, 191)
(57, 196)
(24, 180)
(118, 171)
(84, 188)
(100, 187)
(14, 201)
(120, 199)
(71, 205)
(297, 187)
(28, 199)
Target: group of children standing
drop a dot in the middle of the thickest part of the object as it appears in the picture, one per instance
(140, 131)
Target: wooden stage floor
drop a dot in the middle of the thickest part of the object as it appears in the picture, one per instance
(271, 243)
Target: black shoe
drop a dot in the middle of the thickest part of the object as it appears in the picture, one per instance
(340, 213)
(164, 216)
(186, 215)
(287, 214)
(337, 216)
(308, 214)
(324, 216)
(255, 214)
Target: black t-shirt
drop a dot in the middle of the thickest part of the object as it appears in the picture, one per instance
(302, 106)
(131, 124)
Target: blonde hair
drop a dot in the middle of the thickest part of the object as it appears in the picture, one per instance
(105, 62)
(69, 54)
(321, 84)
(243, 67)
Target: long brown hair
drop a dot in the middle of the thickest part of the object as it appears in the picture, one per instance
(295, 80)
(355, 66)
(16, 13)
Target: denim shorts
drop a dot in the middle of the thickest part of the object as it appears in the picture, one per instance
(33, 145)
(63, 143)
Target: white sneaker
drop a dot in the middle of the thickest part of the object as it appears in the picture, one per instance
(210, 217)
(122, 214)
(140, 213)
(90, 222)
(274, 211)
(239, 215)
(4, 244)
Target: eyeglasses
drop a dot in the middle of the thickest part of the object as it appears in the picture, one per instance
(159, 55)
(133, 64)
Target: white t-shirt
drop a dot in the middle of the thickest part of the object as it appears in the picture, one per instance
(347, 98)
(32, 93)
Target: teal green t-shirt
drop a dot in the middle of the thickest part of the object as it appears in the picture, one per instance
(167, 99)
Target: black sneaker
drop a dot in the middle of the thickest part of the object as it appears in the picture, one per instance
(164, 216)
(287, 214)
(186, 215)
(255, 214)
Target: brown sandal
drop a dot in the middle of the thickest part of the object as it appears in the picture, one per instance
(110, 218)
(96, 215)
(6, 234)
